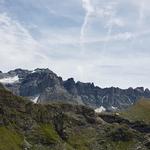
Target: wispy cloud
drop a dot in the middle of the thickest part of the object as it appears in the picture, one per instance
(17, 45)
(89, 10)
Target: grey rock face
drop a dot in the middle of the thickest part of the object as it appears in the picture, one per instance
(49, 87)
(110, 98)
(42, 83)
(36, 82)
(56, 94)
(70, 86)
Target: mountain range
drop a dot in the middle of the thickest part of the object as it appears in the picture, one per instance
(44, 86)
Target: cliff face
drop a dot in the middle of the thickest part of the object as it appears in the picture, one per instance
(44, 86)
(25, 125)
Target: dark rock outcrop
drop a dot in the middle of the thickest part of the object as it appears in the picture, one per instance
(70, 86)
(137, 125)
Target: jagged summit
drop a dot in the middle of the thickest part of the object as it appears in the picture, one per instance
(44, 86)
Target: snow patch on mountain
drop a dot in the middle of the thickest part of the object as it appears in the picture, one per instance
(10, 80)
(35, 99)
(101, 109)
(114, 108)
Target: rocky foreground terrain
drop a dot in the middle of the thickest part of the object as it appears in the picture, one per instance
(25, 125)
(44, 86)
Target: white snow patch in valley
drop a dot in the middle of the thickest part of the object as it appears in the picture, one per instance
(35, 99)
(101, 109)
(114, 108)
(10, 80)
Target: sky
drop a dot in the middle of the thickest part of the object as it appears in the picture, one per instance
(102, 41)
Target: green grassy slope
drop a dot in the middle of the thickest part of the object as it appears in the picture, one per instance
(140, 111)
(10, 140)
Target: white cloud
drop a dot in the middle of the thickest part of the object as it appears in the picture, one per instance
(17, 45)
(87, 5)
(116, 22)
(97, 24)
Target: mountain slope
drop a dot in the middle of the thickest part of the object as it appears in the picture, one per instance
(140, 111)
(25, 125)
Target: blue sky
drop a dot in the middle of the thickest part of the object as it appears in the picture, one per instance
(100, 41)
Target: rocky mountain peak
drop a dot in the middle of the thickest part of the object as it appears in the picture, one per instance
(140, 89)
(70, 86)
(37, 81)
(21, 73)
(18, 71)
(43, 70)
(147, 90)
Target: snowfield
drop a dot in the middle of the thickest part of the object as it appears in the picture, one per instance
(10, 80)
(35, 99)
(114, 108)
(99, 110)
